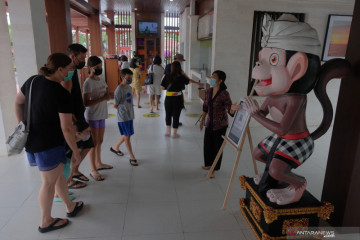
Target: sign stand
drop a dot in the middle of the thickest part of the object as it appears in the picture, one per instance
(239, 150)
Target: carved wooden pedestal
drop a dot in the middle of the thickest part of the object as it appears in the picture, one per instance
(270, 221)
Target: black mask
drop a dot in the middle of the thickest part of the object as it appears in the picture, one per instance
(80, 65)
(98, 71)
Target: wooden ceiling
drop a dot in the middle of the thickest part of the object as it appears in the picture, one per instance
(156, 6)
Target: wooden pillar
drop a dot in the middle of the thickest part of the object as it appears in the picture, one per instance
(87, 42)
(118, 41)
(110, 31)
(59, 24)
(342, 178)
(95, 29)
(77, 34)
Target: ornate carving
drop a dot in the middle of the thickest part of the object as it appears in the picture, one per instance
(255, 209)
(242, 202)
(325, 210)
(300, 224)
(266, 237)
(242, 180)
(270, 214)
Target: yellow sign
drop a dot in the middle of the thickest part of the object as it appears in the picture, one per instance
(111, 115)
(147, 103)
(151, 115)
(111, 103)
(188, 103)
(194, 115)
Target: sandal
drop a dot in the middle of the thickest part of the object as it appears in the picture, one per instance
(80, 177)
(133, 162)
(77, 185)
(52, 226)
(105, 167)
(77, 209)
(97, 177)
(118, 152)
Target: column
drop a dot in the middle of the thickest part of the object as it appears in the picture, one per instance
(87, 42)
(77, 34)
(162, 44)
(8, 86)
(342, 178)
(30, 36)
(95, 29)
(133, 28)
(194, 54)
(110, 31)
(59, 24)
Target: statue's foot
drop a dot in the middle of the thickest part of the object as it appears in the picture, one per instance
(274, 194)
(291, 196)
(257, 178)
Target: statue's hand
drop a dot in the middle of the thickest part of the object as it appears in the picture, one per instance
(251, 105)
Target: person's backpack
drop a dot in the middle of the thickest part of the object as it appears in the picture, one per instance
(150, 76)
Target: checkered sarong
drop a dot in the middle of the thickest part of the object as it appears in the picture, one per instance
(293, 152)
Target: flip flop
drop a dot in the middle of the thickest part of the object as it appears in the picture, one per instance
(80, 177)
(133, 162)
(52, 226)
(105, 168)
(75, 184)
(57, 199)
(77, 209)
(95, 176)
(118, 152)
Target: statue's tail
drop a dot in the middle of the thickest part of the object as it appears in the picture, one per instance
(335, 68)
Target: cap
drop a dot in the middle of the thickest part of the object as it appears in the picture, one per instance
(179, 57)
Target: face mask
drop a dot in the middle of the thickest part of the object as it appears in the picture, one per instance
(128, 81)
(69, 76)
(80, 65)
(98, 71)
(85, 137)
(212, 82)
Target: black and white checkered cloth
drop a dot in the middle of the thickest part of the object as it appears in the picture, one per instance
(294, 152)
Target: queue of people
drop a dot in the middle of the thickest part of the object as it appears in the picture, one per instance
(67, 124)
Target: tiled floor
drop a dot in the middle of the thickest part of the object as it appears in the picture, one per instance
(165, 198)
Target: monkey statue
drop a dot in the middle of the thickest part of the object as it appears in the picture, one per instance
(288, 68)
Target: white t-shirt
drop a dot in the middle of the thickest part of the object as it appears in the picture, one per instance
(97, 89)
(125, 65)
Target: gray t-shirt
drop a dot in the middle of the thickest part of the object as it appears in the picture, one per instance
(97, 89)
(123, 99)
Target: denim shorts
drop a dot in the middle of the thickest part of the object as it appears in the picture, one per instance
(49, 159)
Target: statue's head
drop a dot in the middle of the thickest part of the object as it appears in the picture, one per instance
(289, 60)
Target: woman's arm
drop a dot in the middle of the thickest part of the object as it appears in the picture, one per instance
(20, 106)
(203, 116)
(88, 102)
(69, 135)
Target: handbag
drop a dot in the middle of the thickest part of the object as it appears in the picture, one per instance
(150, 76)
(17, 140)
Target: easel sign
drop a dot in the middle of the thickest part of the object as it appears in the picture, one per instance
(238, 126)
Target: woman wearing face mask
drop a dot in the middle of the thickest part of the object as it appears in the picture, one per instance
(217, 105)
(50, 125)
(95, 96)
(136, 82)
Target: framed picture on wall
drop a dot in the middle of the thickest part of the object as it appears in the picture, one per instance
(238, 126)
(337, 36)
(205, 26)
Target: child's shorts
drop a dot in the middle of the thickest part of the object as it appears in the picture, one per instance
(96, 124)
(126, 128)
(49, 159)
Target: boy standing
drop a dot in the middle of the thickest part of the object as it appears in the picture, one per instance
(125, 114)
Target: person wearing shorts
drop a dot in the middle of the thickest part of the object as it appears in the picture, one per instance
(50, 125)
(95, 96)
(154, 89)
(125, 114)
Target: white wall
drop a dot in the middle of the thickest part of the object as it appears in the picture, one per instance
(231, 44)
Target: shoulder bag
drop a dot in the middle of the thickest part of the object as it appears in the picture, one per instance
(17, 140)
(150, 76)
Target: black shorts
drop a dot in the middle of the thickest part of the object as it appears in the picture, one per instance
(81, 145)
(86, 144)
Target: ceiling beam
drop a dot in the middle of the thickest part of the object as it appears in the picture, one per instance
(83, 7)
(105, 21)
